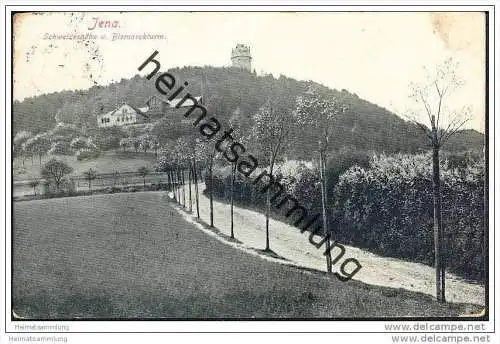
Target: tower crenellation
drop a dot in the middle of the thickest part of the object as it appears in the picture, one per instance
(241, 57)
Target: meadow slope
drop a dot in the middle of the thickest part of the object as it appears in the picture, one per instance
(131, 255)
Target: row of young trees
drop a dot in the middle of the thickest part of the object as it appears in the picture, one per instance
(185, 159)
(317, 109)
(272, 128)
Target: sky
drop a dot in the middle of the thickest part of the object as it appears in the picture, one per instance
(375, 55)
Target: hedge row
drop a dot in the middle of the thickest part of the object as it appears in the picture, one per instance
(387, 206)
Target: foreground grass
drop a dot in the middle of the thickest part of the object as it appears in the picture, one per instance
(133, 256)
(107, 162)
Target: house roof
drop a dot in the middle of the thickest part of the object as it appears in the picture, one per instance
(139, 111)
(107, 113)
(172, 103)
(143, 110)
(188, 102)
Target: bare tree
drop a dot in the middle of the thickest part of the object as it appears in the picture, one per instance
(55, 170)
(199, 159)
(196, 191)
(237, 123)
(116, 178)
(143, 172)
(432, 97)
(39, 145)
(89, 176)
(319, 112)
(18, 144)
(207, 155)
(270, 133)
(211, 159)
(183, 153)
(34, 184)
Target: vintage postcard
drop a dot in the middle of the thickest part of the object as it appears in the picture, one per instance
(250, 165)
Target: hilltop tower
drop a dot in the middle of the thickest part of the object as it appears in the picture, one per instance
(241, 58)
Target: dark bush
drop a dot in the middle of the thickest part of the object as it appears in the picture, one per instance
(86, 153)
(386, 205)
(388, 208)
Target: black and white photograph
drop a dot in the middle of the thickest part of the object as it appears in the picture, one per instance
(211, 166)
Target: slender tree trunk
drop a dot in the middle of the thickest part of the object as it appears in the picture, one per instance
(484, 233)
(438, 229)
(201, 175)
(90, 186)
(168, 181)
(189, 183)
(324, 204)
(268, 205)
(196, 189)
(176, 184)
(233, 174)
(210, 171)
(183, 183)
(144, 182)
(172, 179)
(40, 159)
(32, 160)
(179, 186)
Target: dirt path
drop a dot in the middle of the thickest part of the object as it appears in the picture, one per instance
(288, 242)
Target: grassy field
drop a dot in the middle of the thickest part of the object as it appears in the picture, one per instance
(108, 162)
(133, 256)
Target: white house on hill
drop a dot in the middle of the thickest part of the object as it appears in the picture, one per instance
(157, 107)
(124, 115)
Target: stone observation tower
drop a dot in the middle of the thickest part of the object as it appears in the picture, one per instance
(241, 58)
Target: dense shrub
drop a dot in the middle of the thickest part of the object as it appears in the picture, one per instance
(107, 138)
(87, 153)
(113, 189)
(67, 188)
(386, 205)
(388, 208)
(79, 143)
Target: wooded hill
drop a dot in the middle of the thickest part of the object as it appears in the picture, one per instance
(365, 126)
